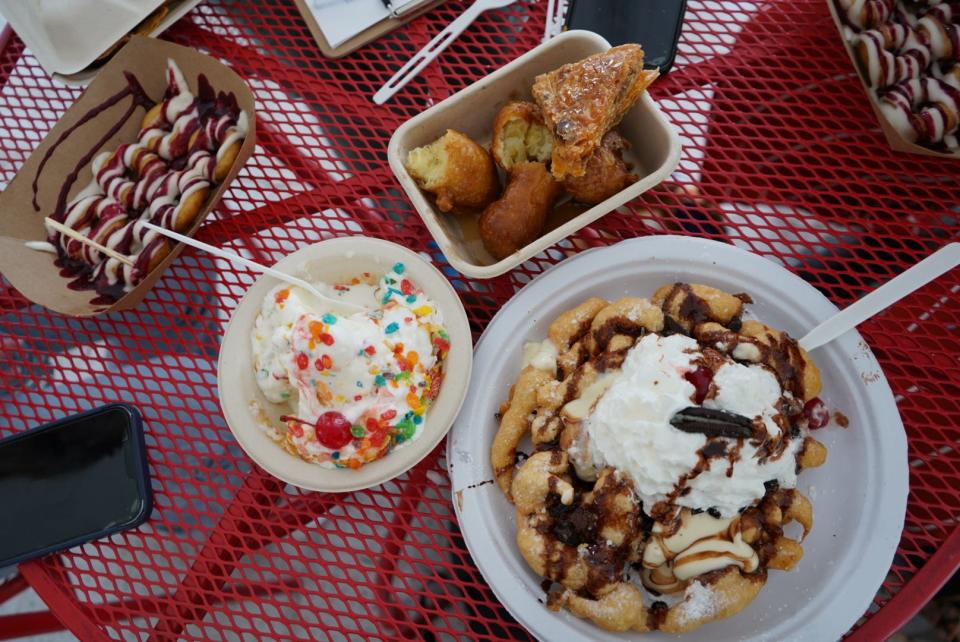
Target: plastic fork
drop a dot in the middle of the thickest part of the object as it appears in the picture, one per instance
(342, 307)
(930, 268)
(433, 49)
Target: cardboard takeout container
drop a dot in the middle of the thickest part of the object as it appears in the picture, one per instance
(655, 152)
(33, 273)
(894, 139)
(67, 36)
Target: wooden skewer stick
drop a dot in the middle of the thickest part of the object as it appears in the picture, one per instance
(74, 234)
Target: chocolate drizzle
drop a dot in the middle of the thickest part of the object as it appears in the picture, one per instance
(574, 530)
(610, 360)
(789, 364)
(657, 615)
(693, 309)
(614, 327)
(670, 326)
(733, 456)
(140, 99)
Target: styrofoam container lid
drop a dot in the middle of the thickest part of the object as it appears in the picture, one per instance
(859, 496)
(337, 261)
(66, 36)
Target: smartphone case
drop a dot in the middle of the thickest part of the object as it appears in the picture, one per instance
(677, 28)
(142, 477)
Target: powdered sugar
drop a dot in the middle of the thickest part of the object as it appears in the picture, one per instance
(698, 603)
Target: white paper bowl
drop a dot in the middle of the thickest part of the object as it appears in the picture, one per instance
(338, 260)
(655, 153)
(859, 496)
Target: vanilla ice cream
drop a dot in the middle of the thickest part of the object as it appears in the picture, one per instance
(370, 373)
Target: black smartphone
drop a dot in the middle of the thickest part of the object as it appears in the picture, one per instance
(655, 24)
(72, 480)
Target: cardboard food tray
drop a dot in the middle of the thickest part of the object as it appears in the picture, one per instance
(32, 272)
(894, 139)
(654, 155)
(370, 34)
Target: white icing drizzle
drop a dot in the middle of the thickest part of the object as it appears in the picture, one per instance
(41, 246)
(700, 544)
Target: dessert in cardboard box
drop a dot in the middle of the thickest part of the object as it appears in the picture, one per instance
(569, 133)
(908, 57)
(144, 143)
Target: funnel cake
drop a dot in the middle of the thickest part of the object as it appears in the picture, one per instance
(668, 435)
(584, 100)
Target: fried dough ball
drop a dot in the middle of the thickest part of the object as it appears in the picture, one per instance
(606, 172)
(517, 217)
(813, 454)
(457, 170)
(519, 135)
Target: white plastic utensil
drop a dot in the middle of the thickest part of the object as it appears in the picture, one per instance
(932, 267)
(550, 20)
(342, 307)
(553, 25)
(433, 49)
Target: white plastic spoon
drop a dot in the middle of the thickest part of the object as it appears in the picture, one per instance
(930, 268)
(342, 307)
(433, 49)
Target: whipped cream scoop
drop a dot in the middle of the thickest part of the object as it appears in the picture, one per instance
(630, 429)
(358, 385)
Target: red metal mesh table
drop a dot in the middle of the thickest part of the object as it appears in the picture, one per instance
(782, 156)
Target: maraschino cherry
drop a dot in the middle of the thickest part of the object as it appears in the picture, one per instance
(332, 428)
(816, 413)
(700, 378)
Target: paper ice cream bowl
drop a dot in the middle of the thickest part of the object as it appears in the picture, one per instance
(251, 416)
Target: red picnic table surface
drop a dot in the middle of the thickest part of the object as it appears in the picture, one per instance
(782, 156)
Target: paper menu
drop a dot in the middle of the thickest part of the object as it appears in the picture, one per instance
(340, 20)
